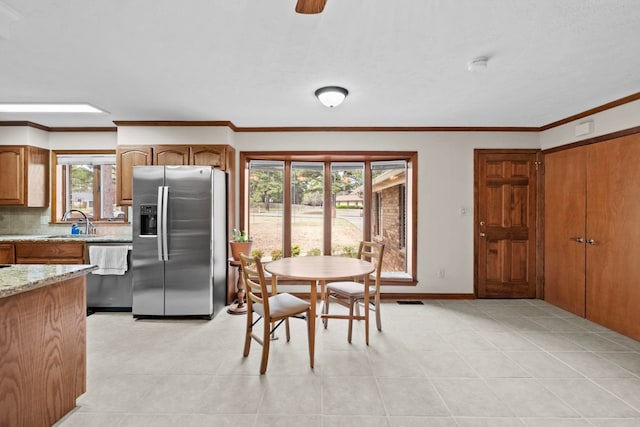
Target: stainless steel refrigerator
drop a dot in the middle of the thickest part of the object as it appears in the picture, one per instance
(179, 241)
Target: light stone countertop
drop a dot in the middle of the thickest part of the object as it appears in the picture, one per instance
(91, 238)
(19, 278)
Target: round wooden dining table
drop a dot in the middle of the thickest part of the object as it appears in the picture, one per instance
(319, 270)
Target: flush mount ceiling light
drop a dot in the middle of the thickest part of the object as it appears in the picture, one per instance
(478, 64)
(331, 96)
(49, 108)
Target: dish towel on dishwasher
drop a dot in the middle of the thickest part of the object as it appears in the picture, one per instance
(109, 259)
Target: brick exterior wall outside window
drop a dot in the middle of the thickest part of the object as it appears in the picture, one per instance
(394, 255)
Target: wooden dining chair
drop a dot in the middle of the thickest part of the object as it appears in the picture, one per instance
(351, 293)
(272, 309)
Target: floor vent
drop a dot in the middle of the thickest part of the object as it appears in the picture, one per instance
(407, 302)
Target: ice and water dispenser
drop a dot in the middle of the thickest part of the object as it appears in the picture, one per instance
(148, 220)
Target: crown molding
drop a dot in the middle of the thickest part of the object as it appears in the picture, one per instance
(183, 123)
(88, 129)
(388, 129)
(233, 127)
(599, 109)
(25, 123)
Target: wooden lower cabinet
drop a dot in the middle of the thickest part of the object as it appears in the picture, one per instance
(592, 232)
(7, 254)
(50, 253)
(42, 353)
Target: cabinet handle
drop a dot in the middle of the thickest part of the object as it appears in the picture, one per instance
(482, 235)
(578, 239)
(591, 242)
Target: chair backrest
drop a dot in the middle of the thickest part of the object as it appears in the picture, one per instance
(372, 252)
(255, 282)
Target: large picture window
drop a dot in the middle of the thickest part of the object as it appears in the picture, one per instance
(309, 204)
(85, 181)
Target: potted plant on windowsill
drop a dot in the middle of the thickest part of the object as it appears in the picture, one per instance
(240, 243)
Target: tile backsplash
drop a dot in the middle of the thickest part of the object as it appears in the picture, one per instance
(17, 220)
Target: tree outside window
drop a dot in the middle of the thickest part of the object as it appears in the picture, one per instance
(330, 204)
(86, 182)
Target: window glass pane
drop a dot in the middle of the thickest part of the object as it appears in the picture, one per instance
(389, 212)
(307, 200)
(87, 182)
(347, 186)
(109, 209)
(266, 182)
(81, 189)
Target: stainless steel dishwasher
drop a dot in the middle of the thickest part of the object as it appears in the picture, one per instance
(110, 292)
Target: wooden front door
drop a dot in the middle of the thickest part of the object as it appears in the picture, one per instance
(505, 223)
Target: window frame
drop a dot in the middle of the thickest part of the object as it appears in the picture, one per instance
(287, 157)
(55, 188)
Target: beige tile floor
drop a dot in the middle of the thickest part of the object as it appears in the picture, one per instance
(465, 363)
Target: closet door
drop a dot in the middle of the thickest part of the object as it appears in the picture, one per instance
(613, 234)
(564, 229)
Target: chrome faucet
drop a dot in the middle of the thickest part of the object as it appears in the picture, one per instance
(87, 223)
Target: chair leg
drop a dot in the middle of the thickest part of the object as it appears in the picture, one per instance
(309, 336)
(378, 319)
(247, 336)
(325, 309)
(286, 325)
(266, 340)
(352, 302)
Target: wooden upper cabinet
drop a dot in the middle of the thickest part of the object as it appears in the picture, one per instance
(24, 174)
(208, 155)
(127, 157)
(170, 154)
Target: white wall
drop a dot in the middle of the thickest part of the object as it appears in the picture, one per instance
(14, 135)
(26, 135)
(186, 135)
(445, 184)
(82, 140)
(619, 118)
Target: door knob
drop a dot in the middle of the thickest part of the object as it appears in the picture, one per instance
(591, 242)
(577, 239)
(482, 235)
(481, 223)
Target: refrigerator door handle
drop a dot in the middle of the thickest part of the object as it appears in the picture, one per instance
(159, 222)
(165, 204)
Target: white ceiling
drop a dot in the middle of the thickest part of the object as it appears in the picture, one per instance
(257, 63)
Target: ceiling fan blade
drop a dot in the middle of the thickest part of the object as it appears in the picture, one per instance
(310, 6)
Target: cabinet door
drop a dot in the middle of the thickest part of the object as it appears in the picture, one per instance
(126, 158)
(613, 230)
(170, 155)
(208, 155)
(12, 190)
(7, 254)
(564, 229)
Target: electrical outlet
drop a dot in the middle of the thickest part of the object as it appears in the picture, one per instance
(441, 273)
(466, 211)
